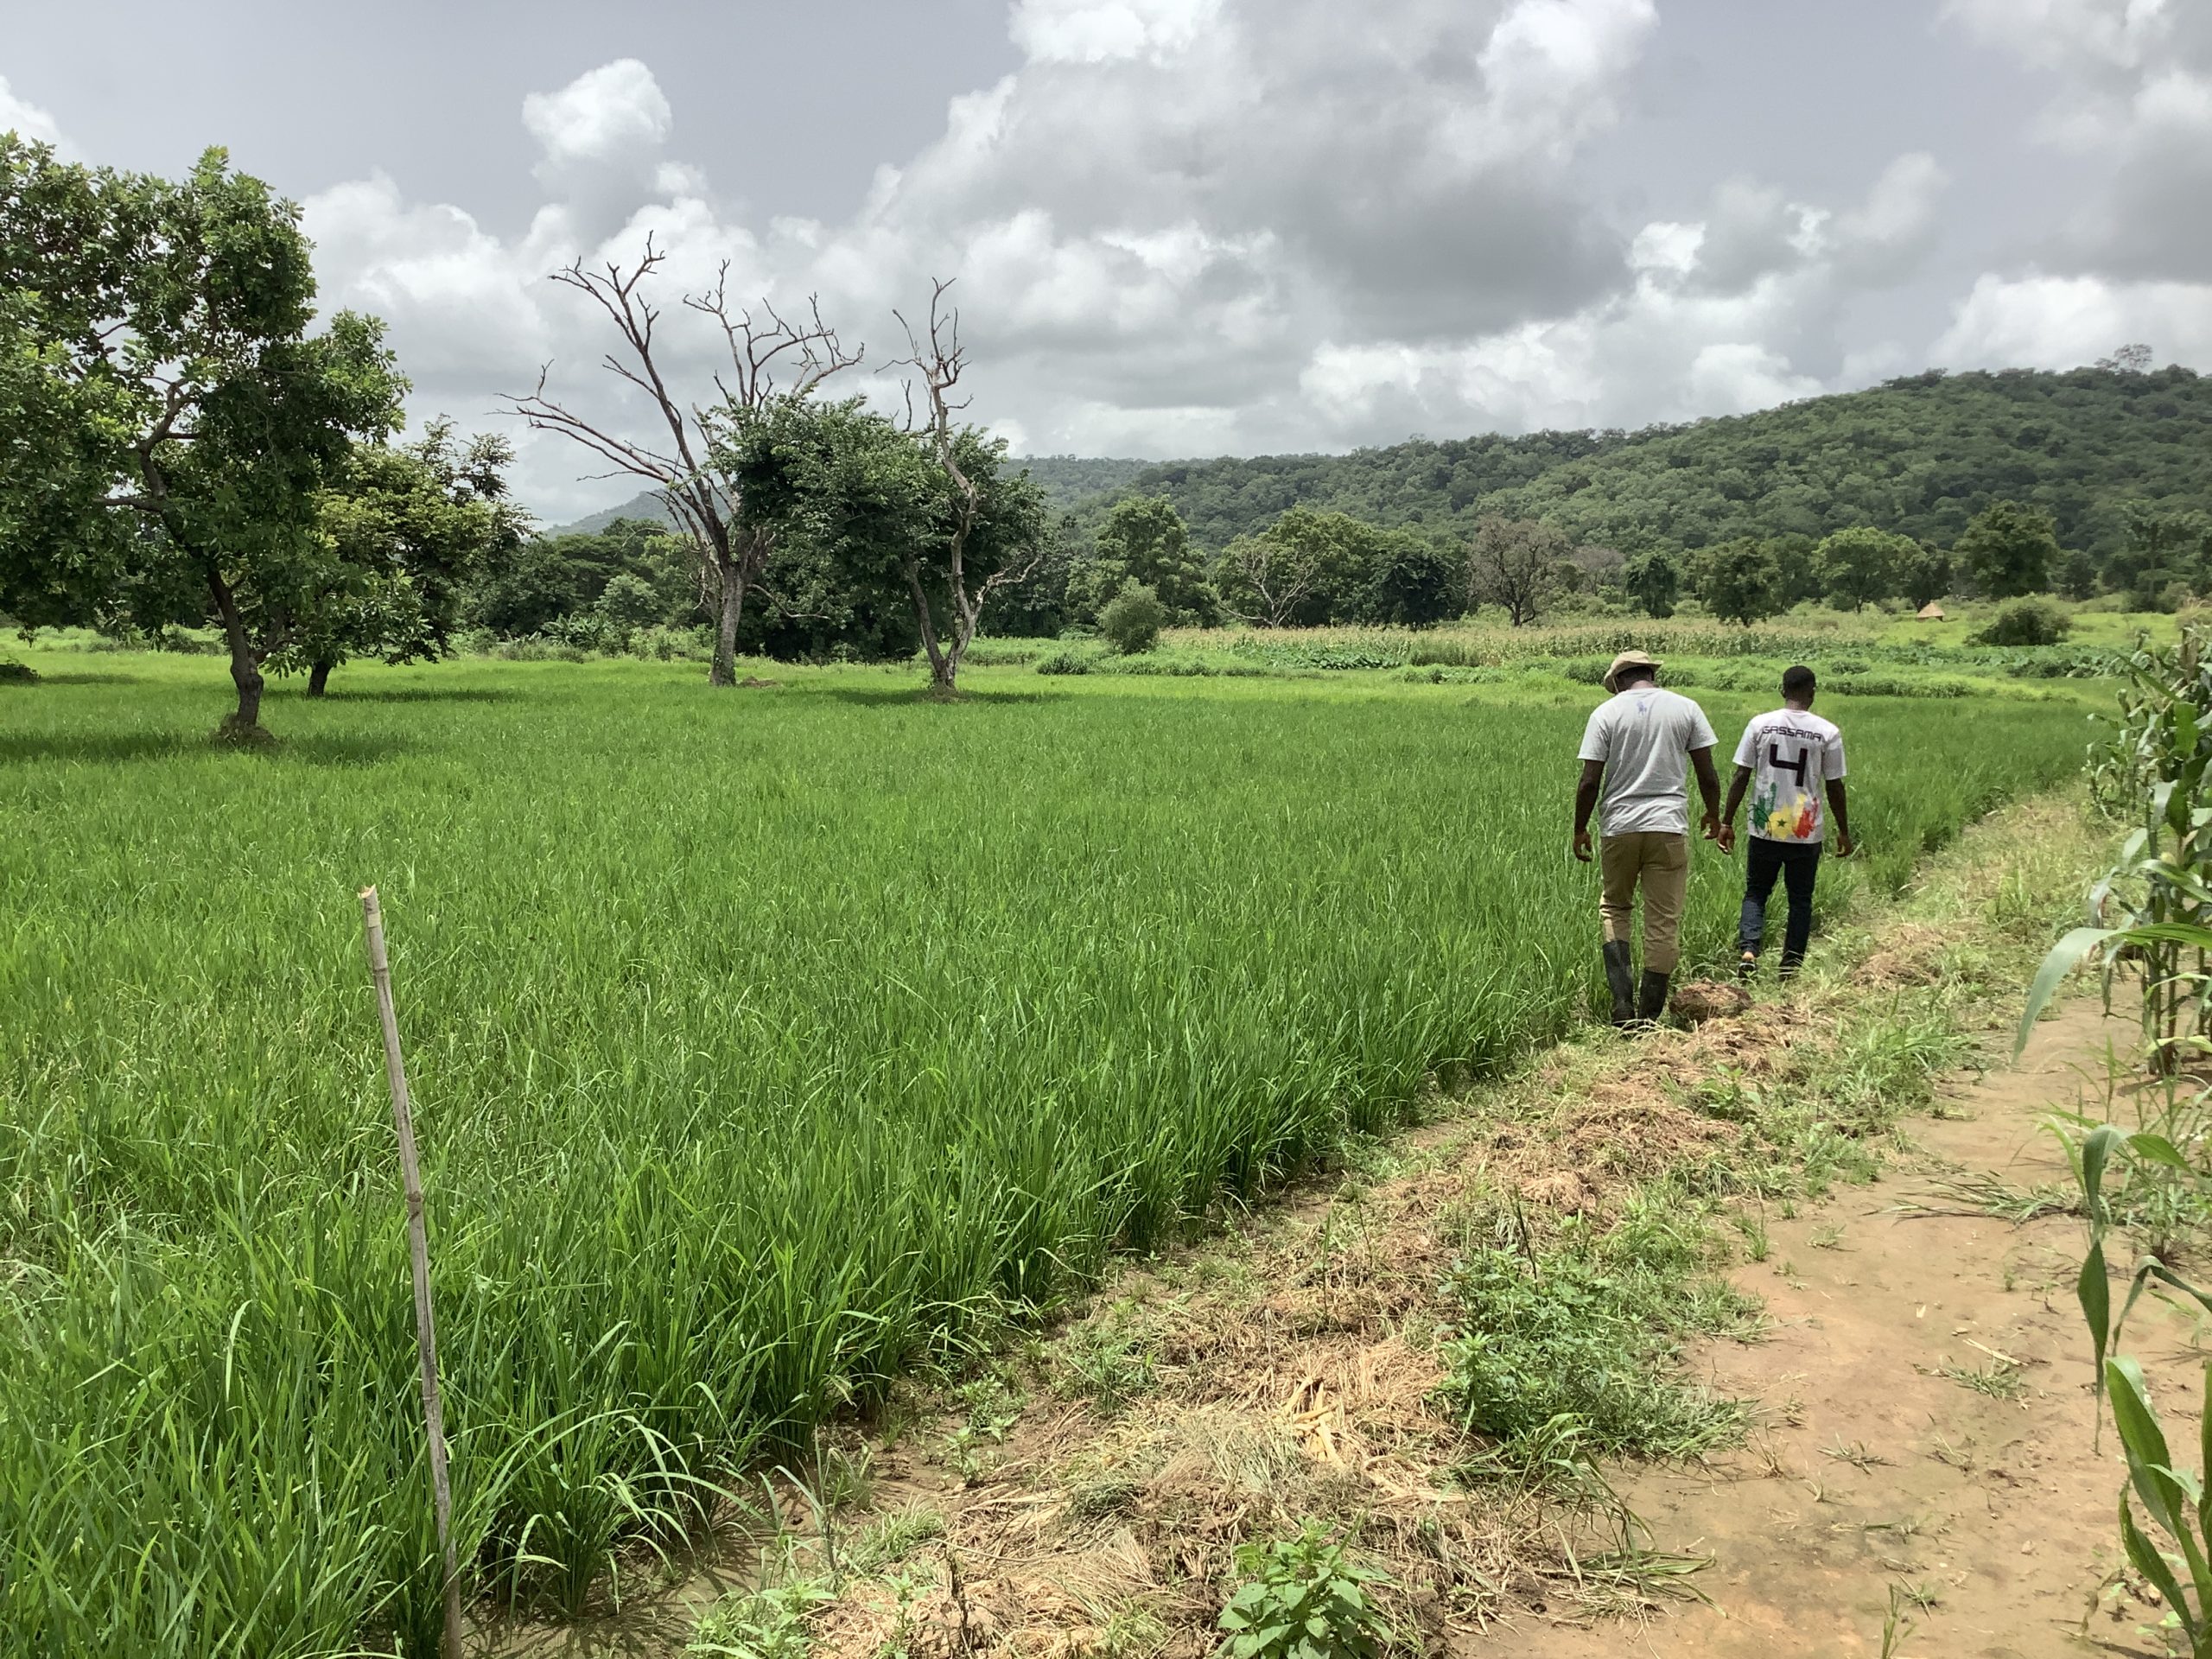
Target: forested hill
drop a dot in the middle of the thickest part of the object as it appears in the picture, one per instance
(647, 505)
(1920, 455)
(1069, 479)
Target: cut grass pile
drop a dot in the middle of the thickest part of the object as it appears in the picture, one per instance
(762, 1043)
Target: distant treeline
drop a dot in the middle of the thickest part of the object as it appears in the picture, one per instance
(2088, 482)
(1920, 456)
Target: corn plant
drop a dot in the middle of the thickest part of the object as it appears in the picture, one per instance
(2164, 694)
(2149, 916)
(2172, 1497)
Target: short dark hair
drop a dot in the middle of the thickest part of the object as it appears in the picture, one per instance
(1797, 682)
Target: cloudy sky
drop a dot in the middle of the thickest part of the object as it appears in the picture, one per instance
(1203, 226)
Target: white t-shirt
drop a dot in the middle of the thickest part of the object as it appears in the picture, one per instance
(1791, 753)
(1645, 737)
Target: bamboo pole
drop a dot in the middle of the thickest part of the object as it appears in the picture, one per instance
(418, 1251)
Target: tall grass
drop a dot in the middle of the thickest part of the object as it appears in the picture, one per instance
(760, 1042)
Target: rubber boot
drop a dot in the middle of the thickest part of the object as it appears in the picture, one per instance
(1621, 980)
(1651, 998)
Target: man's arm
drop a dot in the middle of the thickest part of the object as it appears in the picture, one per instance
(1585, 803)
(1708, 785)
(1842, 817)
(1736, 785)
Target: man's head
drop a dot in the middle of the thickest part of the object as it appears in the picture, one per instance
(1798, 686)
(1632, 668)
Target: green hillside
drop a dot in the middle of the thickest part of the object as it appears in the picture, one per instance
(1068, 479)
(1920, 455)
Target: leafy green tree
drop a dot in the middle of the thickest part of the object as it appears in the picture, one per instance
(900, 535)
(1515, 564)
(2009, 550)
(1300, 571)
(413, 527)
(2077, 576)
(1924, 575)
(1143, 540)
(162, 328)
(2163, 545)
(549, 577)
(628, 603)
(1036, 606)
(1862, 564)
(1410, 583)
(1654, 580)
(1739, 581)
(772, 358)
(1133, 619)
(841, 495)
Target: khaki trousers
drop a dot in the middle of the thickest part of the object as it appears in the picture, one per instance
(1660, 864)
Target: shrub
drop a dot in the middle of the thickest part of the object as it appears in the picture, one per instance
(770, 1623)
(1301, 1598)
(1133, 619)
(1064, 661)
(667, 645)
(2026, 622)
(12, 671)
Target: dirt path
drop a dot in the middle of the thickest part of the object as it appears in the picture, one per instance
(1877, 1467)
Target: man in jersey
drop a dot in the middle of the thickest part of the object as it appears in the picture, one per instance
(1787, 761)
(1637, 752)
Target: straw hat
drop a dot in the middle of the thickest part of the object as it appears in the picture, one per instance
(1628, 659)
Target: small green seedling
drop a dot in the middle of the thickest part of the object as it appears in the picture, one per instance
(1302, 1597)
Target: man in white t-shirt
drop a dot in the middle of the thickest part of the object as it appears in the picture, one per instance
(1636, 754)
(1787, 761)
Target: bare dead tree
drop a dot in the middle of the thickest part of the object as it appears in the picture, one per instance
(771, 356)
(939, 361)
(1264, 581)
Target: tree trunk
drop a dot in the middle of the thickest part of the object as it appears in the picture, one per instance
(944, 670)
(723, 669)
(318, 679)
(243, 725)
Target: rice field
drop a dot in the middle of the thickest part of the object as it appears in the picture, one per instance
(764, 1045)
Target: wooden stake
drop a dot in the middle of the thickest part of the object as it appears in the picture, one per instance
(418, 1250)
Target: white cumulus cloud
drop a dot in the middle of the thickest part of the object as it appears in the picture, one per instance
(1200, 226)
(21, 116)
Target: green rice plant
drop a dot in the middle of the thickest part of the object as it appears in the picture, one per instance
(765, 1048)
(897, 1535)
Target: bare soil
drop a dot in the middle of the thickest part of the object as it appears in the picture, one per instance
(1876, 1466)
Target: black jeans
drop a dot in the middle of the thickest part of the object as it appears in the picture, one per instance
(1797, 862)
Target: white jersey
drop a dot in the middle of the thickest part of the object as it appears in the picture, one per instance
(1791, 752)
(1645, 737)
